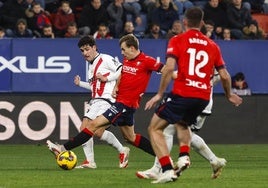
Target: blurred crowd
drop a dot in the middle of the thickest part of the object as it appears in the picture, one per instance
(107, 19)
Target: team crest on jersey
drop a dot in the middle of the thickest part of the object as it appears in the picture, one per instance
(138, 63)
(116, 63)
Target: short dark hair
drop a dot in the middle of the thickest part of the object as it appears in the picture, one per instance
(130, 40)
(194, 16)
(239, 76)
(87, 40)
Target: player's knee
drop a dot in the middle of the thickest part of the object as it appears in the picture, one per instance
(99, 133)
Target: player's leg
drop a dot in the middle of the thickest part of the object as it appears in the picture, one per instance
(88, 148)
(156, 127)
(156, 170)
(184, 137)
(136, 139)
(217, 164)
(96, 108)
(200, 146)
(81, 137)
(111, 139)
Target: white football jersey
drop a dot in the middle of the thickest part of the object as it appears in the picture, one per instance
(107, 66)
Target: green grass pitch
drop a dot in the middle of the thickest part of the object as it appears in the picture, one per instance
(33, 166)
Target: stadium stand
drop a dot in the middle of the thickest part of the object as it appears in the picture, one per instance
(262, 20)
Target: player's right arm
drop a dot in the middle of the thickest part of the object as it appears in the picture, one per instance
(167, 74)
(78, 82)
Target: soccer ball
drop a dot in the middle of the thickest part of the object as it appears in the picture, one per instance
(67, 160)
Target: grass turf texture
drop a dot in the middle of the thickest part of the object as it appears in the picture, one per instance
(34, 166)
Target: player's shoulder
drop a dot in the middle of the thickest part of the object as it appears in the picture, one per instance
(106, 56)
(147, 59)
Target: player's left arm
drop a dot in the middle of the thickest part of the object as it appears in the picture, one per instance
(115, 68)
(115, 90)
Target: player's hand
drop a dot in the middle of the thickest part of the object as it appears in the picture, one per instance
(77, 80)
(114, 93)
(152, 102)
(100, 77)
(235, 99)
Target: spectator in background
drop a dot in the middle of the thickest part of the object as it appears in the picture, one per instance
(52, 5)
(133, 7)
(200, 3)
(253, 32)
(117, 17)
(72, 31)
(102, 32)
(209, 29)
(21, 30)
(129, 28)
(155, 32)
(2, 33)
(29, 3)
(216, 12)
(256, 6)
(165, 14)
(92, 15)
(182, 5)
(148, 6)
(176, 29)
(10, 12)
(239, 17)
(63, 17)
(226, 35)
(239, 85)
(48, 32)
(37, 20)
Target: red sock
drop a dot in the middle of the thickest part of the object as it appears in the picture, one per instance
(184, 150)
(165, 163)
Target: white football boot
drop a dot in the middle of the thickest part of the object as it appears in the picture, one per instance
(152, 173)
(217, 167)
(167, 176)
(56, 149)
(123, 158)
(182, 164)
(87, 164)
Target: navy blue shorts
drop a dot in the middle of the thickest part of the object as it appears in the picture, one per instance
(120, 115)
(175, 108)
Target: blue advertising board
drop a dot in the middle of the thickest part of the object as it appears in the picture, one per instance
(45, 65)
(5, 73)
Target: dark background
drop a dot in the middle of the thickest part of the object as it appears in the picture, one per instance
(246, 124)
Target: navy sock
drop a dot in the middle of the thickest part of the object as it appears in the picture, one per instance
(144, 144)
(78, 140)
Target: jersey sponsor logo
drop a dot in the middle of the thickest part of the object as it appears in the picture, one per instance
(131, 70)
(196, 84)
(53, 64)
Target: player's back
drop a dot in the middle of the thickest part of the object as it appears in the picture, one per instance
(196, 57)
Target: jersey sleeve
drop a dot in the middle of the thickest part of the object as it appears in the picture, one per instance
(153, 64)
(115, 67)
(172, 48)
(219, 63)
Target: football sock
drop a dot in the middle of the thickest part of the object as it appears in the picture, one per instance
(88, 148)
(144, 144)
(184, 150)
(202, 148)
(110, 138)
(165, 163)
(169, 141)
(79, 139)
